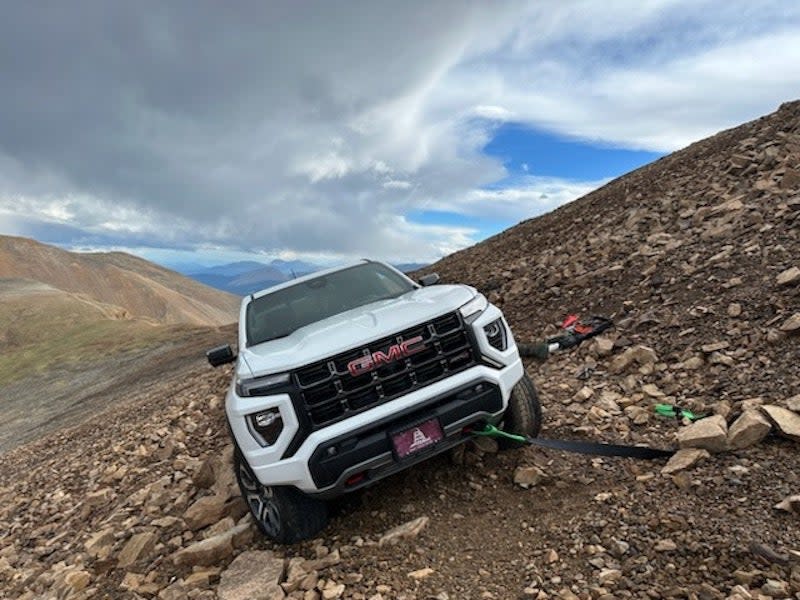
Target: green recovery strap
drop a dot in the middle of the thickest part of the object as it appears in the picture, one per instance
(593, 448)
(670, 410)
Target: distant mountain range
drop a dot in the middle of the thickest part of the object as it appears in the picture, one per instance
(246, 277)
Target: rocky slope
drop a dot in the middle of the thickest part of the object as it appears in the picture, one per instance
(695, 257)
(139, 288)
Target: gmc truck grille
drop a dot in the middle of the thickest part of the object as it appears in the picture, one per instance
(330, 393)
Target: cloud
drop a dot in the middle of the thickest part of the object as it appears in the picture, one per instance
(396, 184)
(276, 127)
(527, 196)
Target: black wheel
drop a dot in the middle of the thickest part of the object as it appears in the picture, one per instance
(523, 415)
(282, 513)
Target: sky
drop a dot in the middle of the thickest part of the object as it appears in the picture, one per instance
(199, 131)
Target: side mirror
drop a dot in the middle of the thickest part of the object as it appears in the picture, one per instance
(221, 355)
(429, 279)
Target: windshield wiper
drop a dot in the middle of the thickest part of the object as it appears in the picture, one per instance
(278, 337)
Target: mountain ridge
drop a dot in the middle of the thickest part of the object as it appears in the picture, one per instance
(143, 289)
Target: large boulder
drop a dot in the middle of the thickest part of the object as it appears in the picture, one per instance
(750, 428)
(255, 574)
(138, 546)
(683, 459)
(710, 433)
(787, 422)
(214, 549)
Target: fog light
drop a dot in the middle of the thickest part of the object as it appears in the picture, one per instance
(267, 426)
(496, 334)
(266, 419)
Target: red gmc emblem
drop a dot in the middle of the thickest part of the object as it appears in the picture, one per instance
(365, 364)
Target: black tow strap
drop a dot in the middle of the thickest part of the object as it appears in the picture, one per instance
(592, 448)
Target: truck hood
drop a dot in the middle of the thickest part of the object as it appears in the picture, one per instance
(353, 328)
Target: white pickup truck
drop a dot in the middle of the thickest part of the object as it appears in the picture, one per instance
(348, 375)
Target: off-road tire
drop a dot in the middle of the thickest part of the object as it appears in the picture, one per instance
(282, 513)
(523, 415)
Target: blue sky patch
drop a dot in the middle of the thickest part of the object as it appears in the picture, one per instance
(526, 151)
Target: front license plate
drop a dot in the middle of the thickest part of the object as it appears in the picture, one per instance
(417, 438)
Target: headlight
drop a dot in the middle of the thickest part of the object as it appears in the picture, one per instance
(496, 334)
(260, 386)
(474, 307)
(267, 425)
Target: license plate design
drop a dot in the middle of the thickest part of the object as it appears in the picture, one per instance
(417, 438)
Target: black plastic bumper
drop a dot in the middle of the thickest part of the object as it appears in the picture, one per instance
(361, 457)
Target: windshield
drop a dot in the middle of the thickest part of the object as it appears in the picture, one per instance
(284, 311)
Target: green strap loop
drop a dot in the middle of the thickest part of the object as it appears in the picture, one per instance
(492, 431)
(669, 410)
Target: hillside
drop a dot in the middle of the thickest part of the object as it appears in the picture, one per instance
(142, 289)
(699, 247)
(696, 256)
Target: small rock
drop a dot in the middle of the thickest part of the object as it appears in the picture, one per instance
(421, 573)
(683, 459)
(204, 477)
(710, 433)
(609, 575)
(138, 546)
(652, 390)
(101, 543)
(665, 545)
(583, 394)
(619, 547)
(528, 476)
(603, 346)
(99, 497)
(204, 512)
(200, 579)
(787, 422)
(793, 403)
(175, 591)
(790, 504)
(411, 529)
(641, 355)
(693, 363)
(78, 580)
(750, 428)
(789, 277)
(328, 560)
(714, 347)
(734, 309)
(132, 581)
(333, 591)
(791, 324)
(775, 588)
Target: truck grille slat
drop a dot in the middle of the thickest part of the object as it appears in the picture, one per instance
(330, 393)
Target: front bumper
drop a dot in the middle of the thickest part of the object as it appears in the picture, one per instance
(362, 443)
